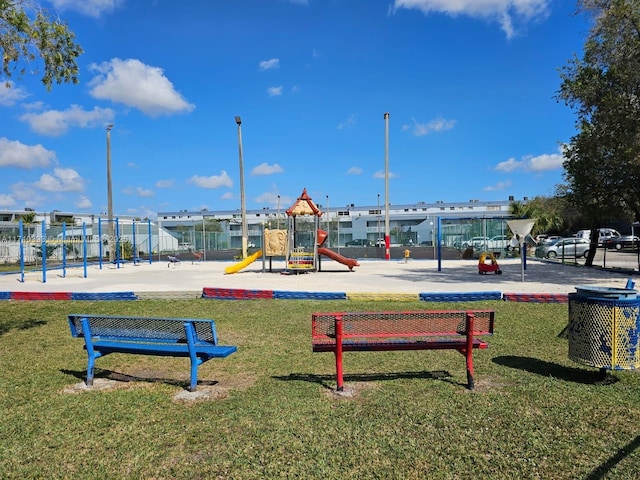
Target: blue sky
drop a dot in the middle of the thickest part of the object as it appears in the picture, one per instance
(469, 86)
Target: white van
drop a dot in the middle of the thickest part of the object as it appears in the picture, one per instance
(604, 234)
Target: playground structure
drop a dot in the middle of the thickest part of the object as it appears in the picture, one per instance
(301, 243)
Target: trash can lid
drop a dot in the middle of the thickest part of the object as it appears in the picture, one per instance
(606, 292)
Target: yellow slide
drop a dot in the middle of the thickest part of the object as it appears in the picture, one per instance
(247, 261)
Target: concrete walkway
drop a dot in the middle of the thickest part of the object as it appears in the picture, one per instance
(372, 276)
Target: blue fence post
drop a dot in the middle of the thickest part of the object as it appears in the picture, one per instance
(135, 245)
(43, 245)
(151, 240)
(100, 242)
(84, 247)
(64, 249)
(117, 243)
(439, 244)
(21, 251)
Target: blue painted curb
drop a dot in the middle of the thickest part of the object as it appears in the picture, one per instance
(459, 296)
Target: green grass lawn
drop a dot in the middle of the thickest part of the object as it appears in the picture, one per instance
(534, 413)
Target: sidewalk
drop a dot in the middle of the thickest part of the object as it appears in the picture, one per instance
(372, 276)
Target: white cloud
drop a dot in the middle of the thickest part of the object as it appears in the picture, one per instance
(509, 166)
(354, 171)
(271, 198)
(62, 180)
(539, 163)
(348, 123)
(16, 154)
(274, 91)
(380, 174)
(144, 192)
(214, 181)
(10, 95)
(83, 202)
(501, 11)
(266, 169)
(498, 186)
(270, 64)
(137, 85)
(552, 161)
(164, 184)
(6, 200)
(227, 196)
(91, 8)
(57, 122)
(437, 125)
(24, 192)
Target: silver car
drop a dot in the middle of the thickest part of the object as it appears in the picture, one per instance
(569, 247)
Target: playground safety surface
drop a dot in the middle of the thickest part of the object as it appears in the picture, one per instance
(187, 280)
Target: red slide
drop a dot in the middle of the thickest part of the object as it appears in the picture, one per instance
(349, 262)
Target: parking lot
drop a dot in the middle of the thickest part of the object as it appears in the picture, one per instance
(614, 259)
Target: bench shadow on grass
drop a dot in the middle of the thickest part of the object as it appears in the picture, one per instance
(604, 469)
(555, 370)
(125, 378)
(21, 325)
(328, 381)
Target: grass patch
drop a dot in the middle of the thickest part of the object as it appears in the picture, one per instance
(534, 413)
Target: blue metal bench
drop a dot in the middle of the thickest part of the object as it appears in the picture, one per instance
(175, 337)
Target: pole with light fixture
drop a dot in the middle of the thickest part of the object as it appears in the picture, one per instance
(378, 213)
(387, 238)
(110, 196)
(328, 225)
(278, 216)
(243, 208)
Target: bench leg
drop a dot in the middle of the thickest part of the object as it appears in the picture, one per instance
(339, 379)
(90, 370)
(470, 382)
(194, 378)
(91, 353)
(338, 352)
(468, 353)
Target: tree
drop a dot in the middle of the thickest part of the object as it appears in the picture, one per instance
(29, 32)
(546, 210)
(602, 161)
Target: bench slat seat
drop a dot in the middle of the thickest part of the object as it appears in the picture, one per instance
(177, 337)
(162, 349)
(379, 346)
(339, 332)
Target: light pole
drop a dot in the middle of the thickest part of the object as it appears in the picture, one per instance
(328, 225)
(243, 208)
(110, 196)
(378, 235)
(387, 239)
(204, 237)
(278, 217)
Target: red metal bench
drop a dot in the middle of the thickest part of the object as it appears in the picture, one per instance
(339, 332)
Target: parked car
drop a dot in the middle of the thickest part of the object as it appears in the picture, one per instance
(604, 234)
(359, 242)
(569, 247)
(545, 238)
(498, 243)
(380, 243)
(477, 243)
(623, 241)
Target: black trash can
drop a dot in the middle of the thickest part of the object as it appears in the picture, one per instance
(604, 327)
